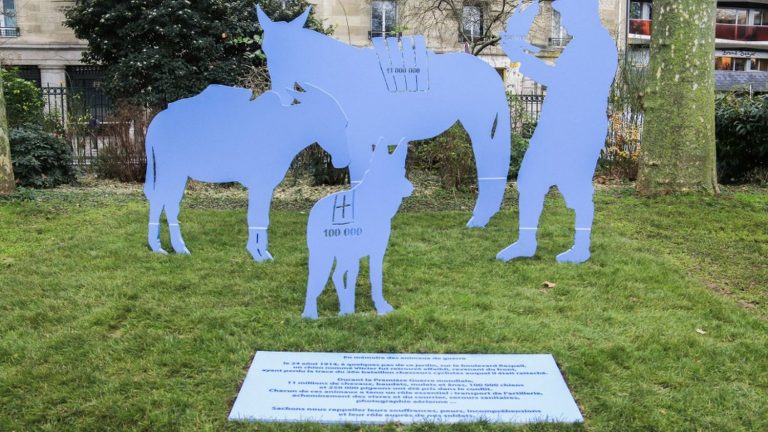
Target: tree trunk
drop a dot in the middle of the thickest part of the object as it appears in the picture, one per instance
(678, 150)
(7, 183)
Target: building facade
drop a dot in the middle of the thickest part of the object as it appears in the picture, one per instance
(741, 44)
(34, 38)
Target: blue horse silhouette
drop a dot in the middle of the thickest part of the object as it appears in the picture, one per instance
(572, 128)
(398, 90)
(221, 135)
(350, 225)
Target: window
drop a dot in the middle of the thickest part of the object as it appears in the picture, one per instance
(559, 37)
(383, 17)
(471, 23)
(8, 20)
(641, 10)
(723, 63)
(741, 64)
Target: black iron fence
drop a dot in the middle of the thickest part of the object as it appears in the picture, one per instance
(525, 110)
(80, 114)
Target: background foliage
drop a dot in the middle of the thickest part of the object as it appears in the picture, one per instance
(23, 101)
(158, 51)
(40, 159)
(742, 138)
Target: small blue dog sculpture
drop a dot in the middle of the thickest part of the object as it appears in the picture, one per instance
(350, 225)
(221, 135)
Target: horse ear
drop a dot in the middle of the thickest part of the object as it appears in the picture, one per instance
(264, 20)
(401, 151)
(301, 19)
(294, 94)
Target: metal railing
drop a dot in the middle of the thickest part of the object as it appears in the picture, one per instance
(80, 114)
(10, 32)
(739, 32)
(525, 110)
(641, 27)
(559, 42)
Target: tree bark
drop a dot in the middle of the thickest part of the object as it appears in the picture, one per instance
(678, 149)
(7, 182)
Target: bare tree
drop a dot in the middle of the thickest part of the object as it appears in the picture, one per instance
(474, 23)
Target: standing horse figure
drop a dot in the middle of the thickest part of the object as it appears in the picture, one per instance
(349, 225)
(571, 132)
(453, 87)
(221, 135)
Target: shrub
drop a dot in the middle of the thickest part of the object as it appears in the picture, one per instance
(519, 147)
(450, 156)
(123, 157)
(40, 160)
(742, 136)
(317, 163)
(23, 101)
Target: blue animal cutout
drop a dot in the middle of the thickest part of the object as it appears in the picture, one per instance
(399, 89)
(221, 135)
(347, 226)
(571, 132)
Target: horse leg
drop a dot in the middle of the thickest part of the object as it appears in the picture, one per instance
(531, 204)
(376, 264)
(153, 233)
(258, 222)
(319, 267)
(492, 156)
(172, 194)
(578, 196)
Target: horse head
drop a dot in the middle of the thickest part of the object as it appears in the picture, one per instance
(282, 43)
(331, 135)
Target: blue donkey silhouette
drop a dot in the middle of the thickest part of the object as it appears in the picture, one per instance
(221, 135)
(400, 89)
(573, 124)
(350, 225)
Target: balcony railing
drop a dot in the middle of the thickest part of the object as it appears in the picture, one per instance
(559, 42)
(379, 33)
(10, 32)
(738, 32)
(640, 27)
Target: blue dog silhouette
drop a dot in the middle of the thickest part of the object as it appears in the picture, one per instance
(400, 89)
(221, 135)
(572, 128)
(350, 225)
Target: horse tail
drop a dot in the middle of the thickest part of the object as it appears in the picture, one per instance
(151, 176)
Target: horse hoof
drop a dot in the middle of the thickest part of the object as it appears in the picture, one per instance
(183, 251)
(384, 309)
(572, 256)
(515, 250)
(159, 251)
(309, 315)
(260, 255)
(478, 222)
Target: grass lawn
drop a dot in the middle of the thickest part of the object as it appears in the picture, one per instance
(665, 329)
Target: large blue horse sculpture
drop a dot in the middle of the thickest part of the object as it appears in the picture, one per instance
(221, 135)
(459, 87)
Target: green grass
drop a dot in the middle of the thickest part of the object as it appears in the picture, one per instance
(96, 333)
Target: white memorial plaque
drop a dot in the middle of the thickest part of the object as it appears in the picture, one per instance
(404, 388)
